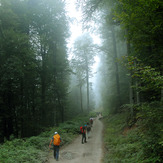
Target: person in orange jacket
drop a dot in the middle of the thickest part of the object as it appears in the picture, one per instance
(56, 140)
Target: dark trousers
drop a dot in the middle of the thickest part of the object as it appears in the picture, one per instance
(56, 152)
(84, 138)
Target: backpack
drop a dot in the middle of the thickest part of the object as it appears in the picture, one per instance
(81, 129)
(57, 140)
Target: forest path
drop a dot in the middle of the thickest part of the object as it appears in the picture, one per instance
(90, 152)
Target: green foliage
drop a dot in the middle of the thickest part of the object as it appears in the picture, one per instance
(131, 112)
(139, 141)
(140, 23)
(92, 114)
(148, 76)
(135, 16)
(121, 146)
(19, 150)
(34, 68)
(151, 116)
(35, 149)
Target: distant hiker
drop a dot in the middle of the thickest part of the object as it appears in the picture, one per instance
(83, 131)
(91, 121)
(97, 113)
(56, 140)
(88, 130)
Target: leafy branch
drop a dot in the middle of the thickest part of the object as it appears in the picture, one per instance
(150, 77)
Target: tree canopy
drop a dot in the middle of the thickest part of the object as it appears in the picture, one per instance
(33, 66)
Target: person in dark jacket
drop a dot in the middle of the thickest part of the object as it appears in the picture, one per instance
(84, 134)
(88, 130)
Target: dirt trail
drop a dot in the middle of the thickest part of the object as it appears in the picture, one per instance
(90, 152)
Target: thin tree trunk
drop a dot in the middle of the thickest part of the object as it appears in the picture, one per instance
(16, 131)
(131, 92)
(63, 118)
(81, 98)
(9, 122)
(161, 88)
(60, 107)
(2, 128)
(56, 108)
(116, 67)
(137, 92)
(43, 86)
(87, 77)
(56, 113)
(161, 94)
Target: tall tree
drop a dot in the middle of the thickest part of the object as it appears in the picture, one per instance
(84, 53)
(144, 32)
(34, 67)
(80, 75)
(143, 36)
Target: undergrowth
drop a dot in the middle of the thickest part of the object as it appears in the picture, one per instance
(35, 149)
(139, 143)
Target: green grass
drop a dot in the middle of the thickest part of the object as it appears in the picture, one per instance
(35, 149)
(20, 150)
(140, 142)
(119, 146)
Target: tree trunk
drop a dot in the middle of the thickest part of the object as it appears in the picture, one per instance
(161, 88)
(2, 128)
(87, 78)
(56, 94)
(9, 104)
(56, 113)
(116, 67)
(161, 94)
(61, 108)
(81, 98)
(62, 113)
(43, 86)
(131, 92)
(137, 91)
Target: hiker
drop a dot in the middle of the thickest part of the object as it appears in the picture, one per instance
(88, 130)
(56, 140)
(91, 121)
(83, 131)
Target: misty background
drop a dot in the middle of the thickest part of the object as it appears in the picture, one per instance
(60, 59)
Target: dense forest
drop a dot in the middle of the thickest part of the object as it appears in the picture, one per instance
(40, 87)
(130, 76)
(34, 68)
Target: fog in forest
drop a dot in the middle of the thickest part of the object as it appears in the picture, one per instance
(62, 59)
(76, 28)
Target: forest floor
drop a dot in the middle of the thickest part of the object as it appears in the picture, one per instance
(90, 152)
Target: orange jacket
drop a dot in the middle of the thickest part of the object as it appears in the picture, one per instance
(56, 139)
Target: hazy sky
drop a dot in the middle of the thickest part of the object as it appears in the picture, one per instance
(76, 30)
(76, 25)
